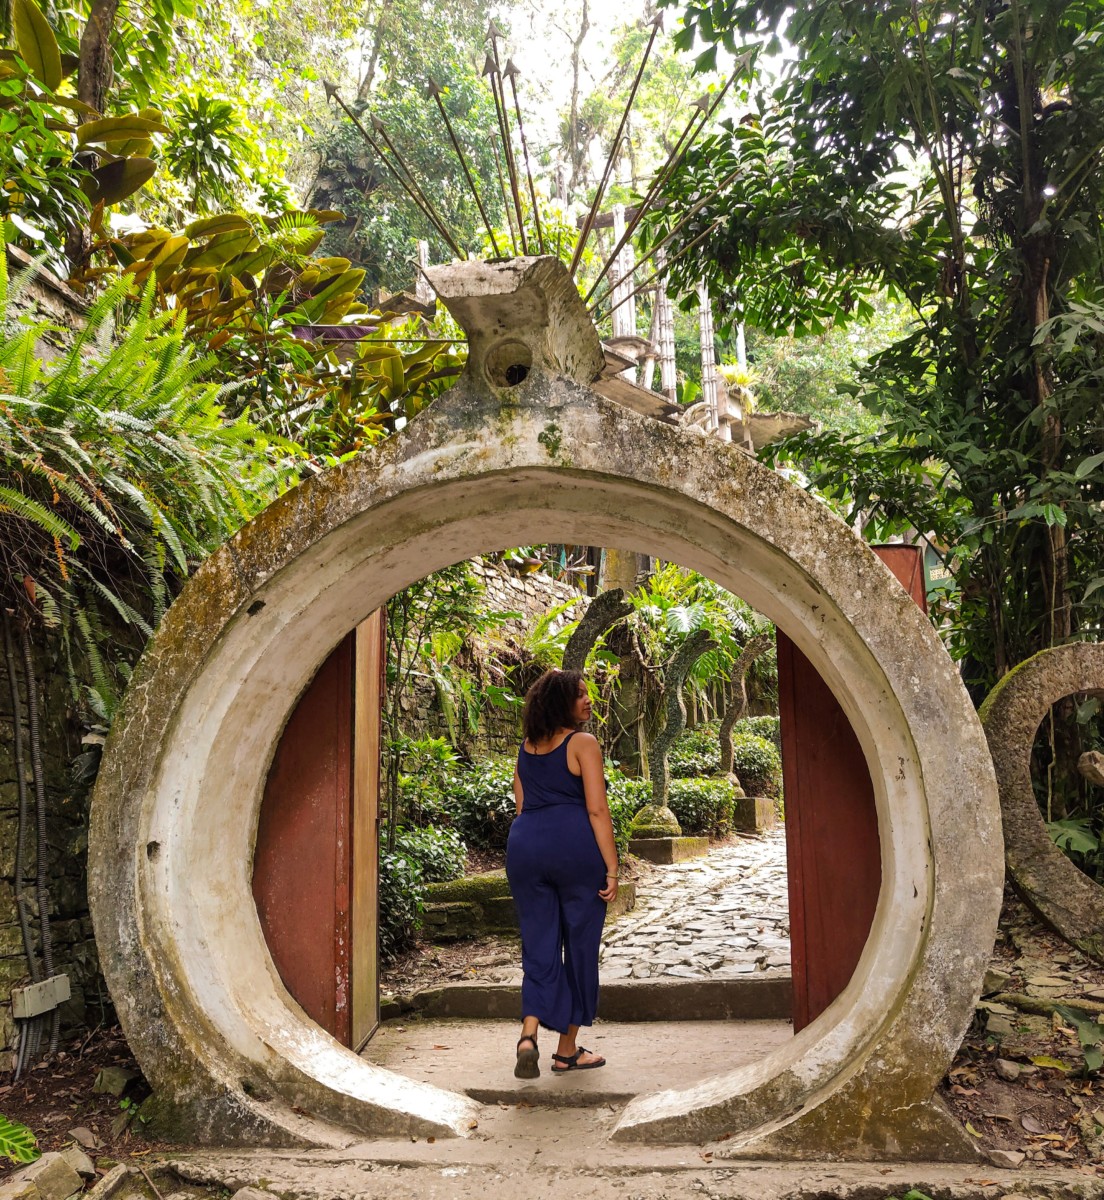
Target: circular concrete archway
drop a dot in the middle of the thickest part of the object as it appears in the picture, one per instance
(230, 1055)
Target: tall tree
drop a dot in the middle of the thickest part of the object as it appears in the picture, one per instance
(949, 152)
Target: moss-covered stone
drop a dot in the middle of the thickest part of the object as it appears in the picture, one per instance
(655, 820)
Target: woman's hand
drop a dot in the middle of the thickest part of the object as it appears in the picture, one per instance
(609, 892)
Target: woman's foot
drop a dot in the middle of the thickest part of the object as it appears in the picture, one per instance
(527, 1066)
(577, 1059)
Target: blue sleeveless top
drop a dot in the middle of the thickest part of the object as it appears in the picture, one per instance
(546, 779)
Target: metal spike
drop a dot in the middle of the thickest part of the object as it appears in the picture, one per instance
(679, 226)
(411, 188)
(504, 129)
(464, 166)
(489, 67)
(699, 118)
(589, 222)
(493, 31)
(329, 88)
(511, 72)
(434, 88)
(505, 196)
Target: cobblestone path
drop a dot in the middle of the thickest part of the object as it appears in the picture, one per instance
(721, 916)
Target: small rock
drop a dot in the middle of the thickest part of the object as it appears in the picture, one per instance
(85, 1137)
(52, 1176)
(1006, 1158)
(994, 981)
(251, 1193)
(998, 1025)
(1091, 766)
(113, 1081)
(18, 1189)
(1007, 1070)
(79, 1161)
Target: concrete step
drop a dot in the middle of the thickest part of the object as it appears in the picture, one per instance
(477, 1057)
(765, 996)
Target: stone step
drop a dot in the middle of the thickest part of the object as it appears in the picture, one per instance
(762, 997)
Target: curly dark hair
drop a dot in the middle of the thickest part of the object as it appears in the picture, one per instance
(548, 704)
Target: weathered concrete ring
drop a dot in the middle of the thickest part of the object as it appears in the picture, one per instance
(1066, 898)
(493, 464)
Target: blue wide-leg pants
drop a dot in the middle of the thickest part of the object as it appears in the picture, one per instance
(555, 871)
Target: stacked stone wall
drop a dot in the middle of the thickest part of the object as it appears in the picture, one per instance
(74, 948)
(533, 596)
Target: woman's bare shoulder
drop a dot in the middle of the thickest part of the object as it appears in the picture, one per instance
(585, 743)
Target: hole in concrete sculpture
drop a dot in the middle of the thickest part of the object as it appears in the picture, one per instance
(508, 363)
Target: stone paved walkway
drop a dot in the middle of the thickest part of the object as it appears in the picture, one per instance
(721, 916)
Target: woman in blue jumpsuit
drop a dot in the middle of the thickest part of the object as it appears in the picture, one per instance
(561, 861)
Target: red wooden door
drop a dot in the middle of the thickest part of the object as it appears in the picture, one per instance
(316, 858)
(303, 859)
(833, 855)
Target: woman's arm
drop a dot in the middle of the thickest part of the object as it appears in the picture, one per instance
(519, 795)
(588, 754)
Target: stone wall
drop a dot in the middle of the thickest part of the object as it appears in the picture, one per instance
(499, 729)
(46, 298)
(74, 949)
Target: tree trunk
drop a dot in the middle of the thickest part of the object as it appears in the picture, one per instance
(689, 652)
(737, 697)
(94, 71)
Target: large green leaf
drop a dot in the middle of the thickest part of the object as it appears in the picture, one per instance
(36, 42)
(115, 181)
(118, 129)
(17, 1142)
(222, 223)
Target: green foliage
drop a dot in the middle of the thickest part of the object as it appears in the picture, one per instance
(401, 900)
(703, 806)
(118, 473)
(1078, 837)
(481, 800)
(696, 752)
(625, 796)
(991, 233)
(205, 151)
(757, 764)
(439, 854)
(17, 1142)
(54, 168)
(1090, 1034)
(763, 727)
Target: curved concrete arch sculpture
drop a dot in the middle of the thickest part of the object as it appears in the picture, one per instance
(1066, 898)
(524, 450)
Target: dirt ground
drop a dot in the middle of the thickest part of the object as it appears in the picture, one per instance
(1018, 1084)
(57, 1097)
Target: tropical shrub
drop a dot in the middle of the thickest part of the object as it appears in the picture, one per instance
(764, 727)
(626, 797)
(401, 899)
(703, 806)
(481, 800)
(757, 765)
(439, 854)
(118, 473)
(696, 752)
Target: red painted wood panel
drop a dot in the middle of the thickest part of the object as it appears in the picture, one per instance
(302, 863)
(833, 855)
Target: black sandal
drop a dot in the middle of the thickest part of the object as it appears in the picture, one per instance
(573, 1063)
(526, 1066)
